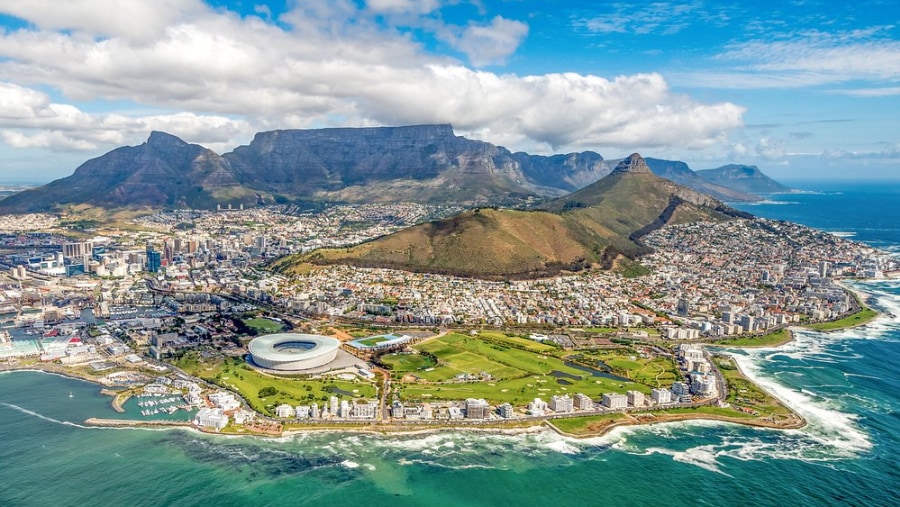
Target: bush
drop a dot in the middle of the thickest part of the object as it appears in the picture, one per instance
(267, 391)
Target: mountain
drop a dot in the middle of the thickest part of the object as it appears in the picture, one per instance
(424, 163)
(162, 172)
(420, 163)
(680, 173)
(746, 178)
(598, 225)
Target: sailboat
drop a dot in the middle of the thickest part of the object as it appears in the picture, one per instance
(71, 395)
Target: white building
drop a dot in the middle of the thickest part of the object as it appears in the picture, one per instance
(537, 407)
(614, 401)
(635, 398)
(225, 401)
(477, 408)
(562, 404)
(211, 418)
(284, 410)
(583, 402)
(661, 396)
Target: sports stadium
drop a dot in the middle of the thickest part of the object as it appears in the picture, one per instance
(293, 351)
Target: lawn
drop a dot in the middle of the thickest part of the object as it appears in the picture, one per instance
(774, 339)
(404, 363)
(375, 340)
(744, 393)
(857, 319)
(654, 371)
(237, 375)
(518, 376)
(587, 425)
(264, 325)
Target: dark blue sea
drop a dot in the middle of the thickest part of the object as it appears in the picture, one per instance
(845, 384)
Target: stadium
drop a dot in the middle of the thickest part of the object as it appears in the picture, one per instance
(293, 351)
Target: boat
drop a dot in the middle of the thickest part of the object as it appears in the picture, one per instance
(71, 395)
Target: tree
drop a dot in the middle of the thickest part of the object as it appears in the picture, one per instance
(267, 391)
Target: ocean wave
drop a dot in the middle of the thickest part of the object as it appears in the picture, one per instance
(768, 202)
(842, 234)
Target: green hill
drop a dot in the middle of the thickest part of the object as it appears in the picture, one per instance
(593, 227)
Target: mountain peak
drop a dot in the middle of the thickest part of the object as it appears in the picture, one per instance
(160, 139)
(634, 164)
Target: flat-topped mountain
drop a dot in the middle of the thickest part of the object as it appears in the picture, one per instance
(746, 178)
(423, 163)
(595, 226)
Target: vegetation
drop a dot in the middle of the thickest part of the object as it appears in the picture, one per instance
(744, 394)
(405, 362)
(588, 425)
(262, 325)
(501, 369)
(773, 339)
(863, 316)
(264, 392)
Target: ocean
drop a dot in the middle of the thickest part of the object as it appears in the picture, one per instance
(843, 383)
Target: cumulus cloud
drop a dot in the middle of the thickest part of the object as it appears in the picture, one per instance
(413, 6)
(491, 43)
(326, 64)
(30, 119)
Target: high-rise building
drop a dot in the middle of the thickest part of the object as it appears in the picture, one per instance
(154, 260)
(661, 396)
(562, 404)
(476, 408)
(635, 398)
(583, 402)
(615, 401)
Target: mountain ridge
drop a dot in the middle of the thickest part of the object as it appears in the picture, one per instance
(419, 163)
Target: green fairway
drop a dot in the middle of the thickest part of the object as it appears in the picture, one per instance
(237, 375)
(654, 371)
(744, 393)
(404, 363)
(518, 375)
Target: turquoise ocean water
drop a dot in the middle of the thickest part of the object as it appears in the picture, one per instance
(845, 384)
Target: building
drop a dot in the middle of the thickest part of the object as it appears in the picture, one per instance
(661, 396)
(614, 401)
(635, 398)
(505, 410)
(562, 404)
(211, 418)
(477, 408)
(293, 352)
(284, 410)
(583, 402)
(681, 392)
(537, 407)
(154, 260)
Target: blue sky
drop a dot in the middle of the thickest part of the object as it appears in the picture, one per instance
(805, 90)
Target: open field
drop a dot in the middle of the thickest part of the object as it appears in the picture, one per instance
(859, 318)
(517, 375)
(264, 325)
(744, 393)
(237, 375)
(375, 340)
(589, 424)
(774, 339)
(628, 363)
(405, 363)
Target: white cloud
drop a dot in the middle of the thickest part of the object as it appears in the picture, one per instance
(808, 58)
(491, 43)
(29, 119)
(888, 91)
(131, 19)
(411, 6)
(770, 148)
(332, 66)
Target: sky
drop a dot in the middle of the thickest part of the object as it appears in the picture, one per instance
(805, 90)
